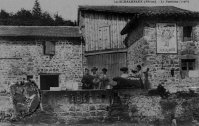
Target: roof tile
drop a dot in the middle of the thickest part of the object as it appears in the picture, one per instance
(135, 9)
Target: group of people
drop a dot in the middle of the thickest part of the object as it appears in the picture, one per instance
(138, 73)
(94, 80)
(101, 81)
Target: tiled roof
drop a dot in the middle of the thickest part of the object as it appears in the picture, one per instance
(40, 31)
(135, 9)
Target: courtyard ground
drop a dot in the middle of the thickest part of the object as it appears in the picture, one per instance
(47, 119)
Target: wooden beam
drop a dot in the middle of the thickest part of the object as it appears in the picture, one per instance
(89, 53)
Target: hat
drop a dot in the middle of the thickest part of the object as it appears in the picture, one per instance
(94, 68)
(104, 69)
(124, 69)
(134, 71)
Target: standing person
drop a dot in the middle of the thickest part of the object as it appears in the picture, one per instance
(146, 79)
(132, 75)
(87, 80)
(96, 79)
(104, 81)
(139, 75)
(125, 72)
(139, 72)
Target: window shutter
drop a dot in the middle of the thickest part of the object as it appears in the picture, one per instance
(104, 37)
(50, 48)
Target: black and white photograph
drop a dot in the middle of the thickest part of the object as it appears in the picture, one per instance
(99, 62)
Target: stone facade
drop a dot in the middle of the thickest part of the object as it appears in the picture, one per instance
(143, 52)
(20, 58)
(142, 107)
(77, 105)
(137, 106)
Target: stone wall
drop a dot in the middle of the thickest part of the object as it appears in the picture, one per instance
(143, 52)
(20, 58)
(6, 108)
(136, 53)
(142, 107)
(96, 105)
(136, 105)
(77, 105)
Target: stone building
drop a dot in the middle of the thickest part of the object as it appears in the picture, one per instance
(51, 55)
(106, 47)
(165, 39)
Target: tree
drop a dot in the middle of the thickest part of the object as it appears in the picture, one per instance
(35, 17)
(47, 20)
(4, 14)
(36, 11)
(4, 17)
(23, 14)
(75, 23)
(58, 20)
(69, 23)
(22, 17)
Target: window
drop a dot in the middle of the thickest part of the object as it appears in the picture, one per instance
(187, 32)
(47, 81)
(186, 66)
(49, 48)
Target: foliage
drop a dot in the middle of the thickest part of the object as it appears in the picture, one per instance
(22, 17)
(34, 17)
(4, 17)
(4, 14)
(36, 11)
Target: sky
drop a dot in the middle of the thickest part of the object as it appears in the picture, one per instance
(68, 8)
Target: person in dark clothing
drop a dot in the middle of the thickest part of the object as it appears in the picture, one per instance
(139, 75)
(146, 79)
(124, 72)
(87, 80)
(96, 79)
(104, 80)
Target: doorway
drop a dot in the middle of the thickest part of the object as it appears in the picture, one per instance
(47, 81)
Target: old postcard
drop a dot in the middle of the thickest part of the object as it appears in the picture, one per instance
(106, 63)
